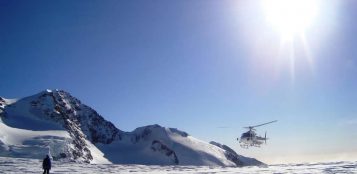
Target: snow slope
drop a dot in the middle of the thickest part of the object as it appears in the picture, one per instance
(23, 143)
(166, 145)
(55, 121)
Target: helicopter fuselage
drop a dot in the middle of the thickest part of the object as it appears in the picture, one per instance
(250, 138)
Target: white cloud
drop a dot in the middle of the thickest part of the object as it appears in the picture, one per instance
(348, 122)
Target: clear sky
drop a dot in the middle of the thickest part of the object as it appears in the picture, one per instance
(206, 67)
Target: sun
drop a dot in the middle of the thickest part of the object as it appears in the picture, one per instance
(290, 17)
(292, 20)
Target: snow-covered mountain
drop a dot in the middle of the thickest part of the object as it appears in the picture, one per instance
(56, 122)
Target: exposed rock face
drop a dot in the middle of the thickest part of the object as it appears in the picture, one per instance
(2, 106)
(2, 103)
(74, 115)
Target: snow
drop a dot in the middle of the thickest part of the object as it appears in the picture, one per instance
(33, 166)
(9, 135)
(26, 143)
(198, 145)
(10, 101)
(98, 156)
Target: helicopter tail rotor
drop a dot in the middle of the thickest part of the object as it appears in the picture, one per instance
(265, 137)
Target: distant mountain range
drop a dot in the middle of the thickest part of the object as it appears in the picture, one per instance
(55, 122)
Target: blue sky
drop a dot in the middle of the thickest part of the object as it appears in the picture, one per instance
(194, 65)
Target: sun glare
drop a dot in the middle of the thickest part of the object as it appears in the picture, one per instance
(292, 21)
(290, 17)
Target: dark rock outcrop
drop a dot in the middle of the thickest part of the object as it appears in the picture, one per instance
(237, 159)
(158, 146)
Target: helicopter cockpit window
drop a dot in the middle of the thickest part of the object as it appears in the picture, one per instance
(246, 134)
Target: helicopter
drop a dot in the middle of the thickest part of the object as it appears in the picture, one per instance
(251, 139)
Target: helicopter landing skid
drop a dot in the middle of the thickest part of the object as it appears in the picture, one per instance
(246, 146)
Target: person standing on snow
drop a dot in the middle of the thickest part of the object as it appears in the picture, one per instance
(46, 165)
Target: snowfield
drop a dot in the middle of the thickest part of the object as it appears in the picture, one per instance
(23, 165)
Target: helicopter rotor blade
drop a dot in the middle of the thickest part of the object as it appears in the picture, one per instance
(250, 128)
(263, 124)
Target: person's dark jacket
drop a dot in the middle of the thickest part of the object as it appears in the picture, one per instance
(46, 164)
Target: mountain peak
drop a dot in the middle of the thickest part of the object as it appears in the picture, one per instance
(58, 107)
(159, 130)
(50, 91)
